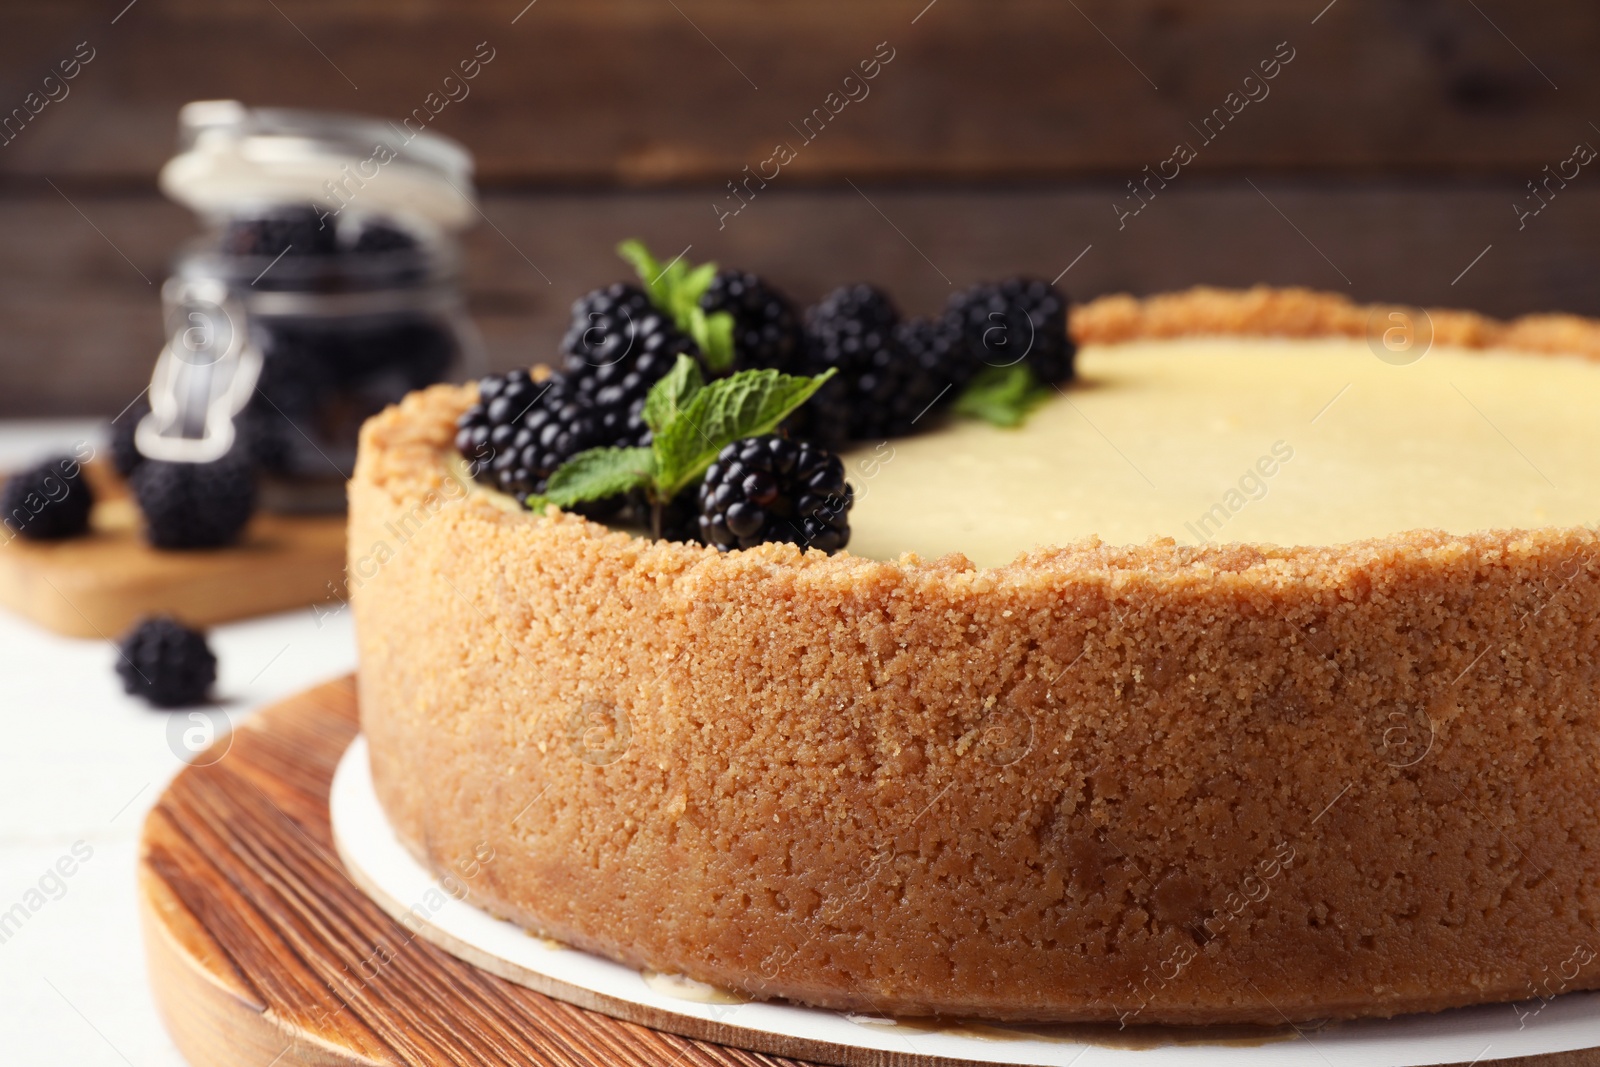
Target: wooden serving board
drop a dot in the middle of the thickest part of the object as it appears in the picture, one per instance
(98, 585)
(264, 953)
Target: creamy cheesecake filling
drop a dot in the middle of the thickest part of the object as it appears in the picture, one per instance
(1291, 442)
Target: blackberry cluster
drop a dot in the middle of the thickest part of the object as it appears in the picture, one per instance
(166, 663)
(934, 346)
(320, 379)
(616, 390)
(195, 505)
(292, 231)
(617, 348)
(521, 430)
(880, 391)
(1017, 320)
(771, 488)
(378, 237)
(606, 324)
(766, 327)
(295, 381)
(49, 502)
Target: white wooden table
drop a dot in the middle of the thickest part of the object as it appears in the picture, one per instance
(80, 765)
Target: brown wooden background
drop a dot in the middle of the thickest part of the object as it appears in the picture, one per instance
(1387, 156)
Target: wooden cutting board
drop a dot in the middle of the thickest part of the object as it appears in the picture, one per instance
(96, 586)
(264, 953)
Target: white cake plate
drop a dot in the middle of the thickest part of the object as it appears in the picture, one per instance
(407, 891)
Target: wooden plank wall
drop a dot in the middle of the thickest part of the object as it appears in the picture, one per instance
(1387, 152)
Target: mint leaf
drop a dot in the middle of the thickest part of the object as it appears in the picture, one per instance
(675, 290)
(596, 474)
(690, 422)
(713, 334)
(649, 271)
(672, 393)
(748, 404)
(1002, 396)
(694, 283)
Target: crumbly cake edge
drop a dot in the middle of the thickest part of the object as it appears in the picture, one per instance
(401, 464)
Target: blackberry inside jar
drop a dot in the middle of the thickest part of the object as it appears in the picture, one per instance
(349, 314)
(333, 241)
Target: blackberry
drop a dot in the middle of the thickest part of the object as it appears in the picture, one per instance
(320, 379)
(880, 390)
(770, 488)
(934, 346)
(387, 356)
(383, 254)
(379, 236)
(125, 455)
(195, 505)
(766, 327)
(605, 325)
(293, 231)
(166, 663)
(49, 502)
(616, 391)
(1020, 319)
(280, 421)
(617, 347)
(521, 430)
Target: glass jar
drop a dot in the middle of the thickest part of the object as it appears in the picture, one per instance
(334, 239)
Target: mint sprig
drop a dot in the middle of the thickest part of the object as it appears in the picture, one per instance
(675, 289)
(690, 422)
(1002, 396)
(748, 404)
(597, 474)
(667, 399)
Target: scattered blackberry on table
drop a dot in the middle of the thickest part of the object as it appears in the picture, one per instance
(771, 488)
(125, 455)
(606, 325)
(766, 326)
(166, 663)
(521, 430)
(880, 390)
(292, 231)
(1017, 320)
(49, 502)
(195, 505)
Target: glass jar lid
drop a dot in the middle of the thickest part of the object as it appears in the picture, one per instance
(235, 159)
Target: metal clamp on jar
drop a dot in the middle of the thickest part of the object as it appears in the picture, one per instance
(204, 377)
(331, 257)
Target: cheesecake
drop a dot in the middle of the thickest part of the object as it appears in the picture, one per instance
(1252, 679)
(1268, 441)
